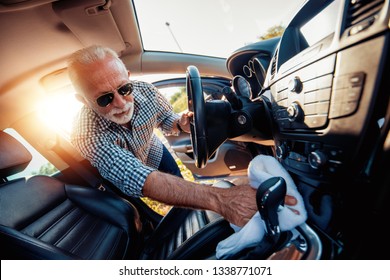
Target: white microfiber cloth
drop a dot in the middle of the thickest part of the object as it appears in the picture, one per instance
(260, 169)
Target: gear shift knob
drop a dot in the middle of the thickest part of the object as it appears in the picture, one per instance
(269, 197)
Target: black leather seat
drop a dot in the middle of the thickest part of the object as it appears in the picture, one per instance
(44, 218)
(187, 234)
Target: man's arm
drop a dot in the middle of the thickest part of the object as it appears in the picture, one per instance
(237, 204)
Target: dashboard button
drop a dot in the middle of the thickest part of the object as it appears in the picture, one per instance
(334, 153)
(335, 110)
(349, 80)
(346, 94)
(318, 95)
(301, 166)
(317, 108)
(348, 108)
(316, 121)
(342, 109)
(338, 95)
(312, 147)
(356, 79)
(319, 83)
(362, 26)
(295, 85)
(352, 94)
(333, 167)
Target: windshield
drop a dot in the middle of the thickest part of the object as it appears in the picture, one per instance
(209, 27)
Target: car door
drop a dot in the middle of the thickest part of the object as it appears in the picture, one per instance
(230, 159)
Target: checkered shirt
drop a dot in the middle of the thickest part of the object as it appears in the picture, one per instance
(126, 155)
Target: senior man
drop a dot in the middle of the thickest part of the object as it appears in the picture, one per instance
(115, 132)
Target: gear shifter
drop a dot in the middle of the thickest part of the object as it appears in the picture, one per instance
(269, 197)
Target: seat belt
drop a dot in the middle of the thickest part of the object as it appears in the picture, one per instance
(87, 175)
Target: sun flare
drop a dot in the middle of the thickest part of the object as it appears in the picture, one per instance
(58, 111)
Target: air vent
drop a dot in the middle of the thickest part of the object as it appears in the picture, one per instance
(362, 14)
(273, 64)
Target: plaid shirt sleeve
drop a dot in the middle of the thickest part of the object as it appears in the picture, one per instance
(118, 165)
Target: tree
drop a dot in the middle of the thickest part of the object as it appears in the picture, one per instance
(179, 101)
(46, 169)
(274, 31)
(175, 97)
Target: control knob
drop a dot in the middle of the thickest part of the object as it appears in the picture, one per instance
(295, 85)
(294, 112)
(317, 159)
(281, 151)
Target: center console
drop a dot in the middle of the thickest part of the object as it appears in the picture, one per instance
(324, 82)
(329, 97)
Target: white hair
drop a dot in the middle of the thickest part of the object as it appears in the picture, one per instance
(81, 59)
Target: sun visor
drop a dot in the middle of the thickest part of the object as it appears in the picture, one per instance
(91, 21)
(57, 82)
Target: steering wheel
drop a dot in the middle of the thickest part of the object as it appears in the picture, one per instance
(198, 125)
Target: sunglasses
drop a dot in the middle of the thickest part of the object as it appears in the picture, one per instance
(106, 99)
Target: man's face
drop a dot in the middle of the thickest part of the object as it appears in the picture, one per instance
(104, 78)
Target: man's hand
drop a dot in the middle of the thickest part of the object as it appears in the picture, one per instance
(185, 120)
(289, 200)
(238, 204)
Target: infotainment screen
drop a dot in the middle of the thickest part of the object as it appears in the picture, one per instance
(310, 32)
(322, 25)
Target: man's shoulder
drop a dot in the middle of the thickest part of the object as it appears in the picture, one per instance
(143, 87)
(86, 121)
(137, 83)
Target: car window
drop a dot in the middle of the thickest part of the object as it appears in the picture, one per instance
(177, 96)
(39, 165)
(176, 30)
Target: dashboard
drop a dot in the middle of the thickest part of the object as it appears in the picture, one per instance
(322, 76)
(324, 80)
(326, 83)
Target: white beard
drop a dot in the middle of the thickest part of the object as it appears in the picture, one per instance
(123, 119)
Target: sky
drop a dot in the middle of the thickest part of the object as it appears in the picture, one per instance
(215, 27)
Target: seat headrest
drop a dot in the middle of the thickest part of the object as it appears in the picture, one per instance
(14, 157)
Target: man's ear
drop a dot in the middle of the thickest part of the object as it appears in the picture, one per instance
(81, 98)
(128, 73)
